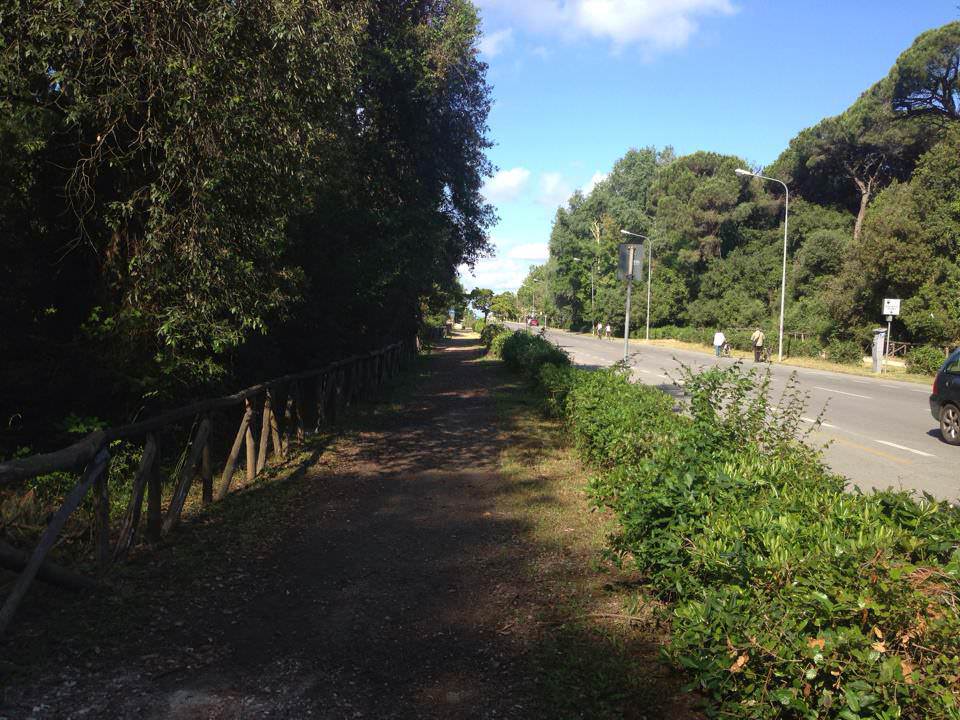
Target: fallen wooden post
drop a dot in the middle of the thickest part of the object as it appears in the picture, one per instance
(94, 470)
(15, 559)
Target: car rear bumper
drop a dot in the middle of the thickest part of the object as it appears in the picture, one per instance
(935, 407)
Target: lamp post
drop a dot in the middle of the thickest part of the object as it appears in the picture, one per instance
(626, 331)
(783, 277)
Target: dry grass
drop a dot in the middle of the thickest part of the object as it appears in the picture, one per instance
(598, 634)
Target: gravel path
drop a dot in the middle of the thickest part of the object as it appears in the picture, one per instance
(382, 591)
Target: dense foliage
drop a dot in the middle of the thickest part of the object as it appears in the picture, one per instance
(874, 213)
(196, 194)
(527, 353)
(789, 597)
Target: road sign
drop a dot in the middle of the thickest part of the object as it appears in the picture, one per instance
(891, 306)
(623, 268)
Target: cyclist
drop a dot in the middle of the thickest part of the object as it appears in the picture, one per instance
(719, 340)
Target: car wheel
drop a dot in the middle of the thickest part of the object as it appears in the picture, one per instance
(950, 424)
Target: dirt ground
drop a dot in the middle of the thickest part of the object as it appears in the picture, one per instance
(387, 576)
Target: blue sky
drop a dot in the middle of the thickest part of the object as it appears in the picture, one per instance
(576, 83)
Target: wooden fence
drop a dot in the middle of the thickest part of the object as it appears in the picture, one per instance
(273, 415)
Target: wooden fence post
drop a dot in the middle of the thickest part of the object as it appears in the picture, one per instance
(94, 470)
(128, 528)
(154, 500)
(279, 449)
(102, 496)
(234, 455)
(265, 419)
(251, 450)
(300, 409)
(186, 477)
(206, 474)
(321, 398)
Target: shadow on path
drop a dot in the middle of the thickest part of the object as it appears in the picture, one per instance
(385, 587)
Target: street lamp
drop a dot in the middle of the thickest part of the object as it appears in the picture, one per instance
(783, 277)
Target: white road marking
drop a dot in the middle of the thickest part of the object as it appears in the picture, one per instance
(841, 392)
(865, 437)
(822, 424)
(645, 372)
(902, 447)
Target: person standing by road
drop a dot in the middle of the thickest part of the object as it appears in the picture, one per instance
(757, 340)
(608, 331)
(718, 340)
(599, 329)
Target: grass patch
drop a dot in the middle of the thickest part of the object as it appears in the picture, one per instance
(595, 637)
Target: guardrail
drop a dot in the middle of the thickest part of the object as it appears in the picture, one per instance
(282, 407)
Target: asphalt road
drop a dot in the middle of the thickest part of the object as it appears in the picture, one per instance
(880, 432)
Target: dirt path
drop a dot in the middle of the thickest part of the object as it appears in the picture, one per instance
(383, 583)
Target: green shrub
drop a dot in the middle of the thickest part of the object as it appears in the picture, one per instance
(478, 325)
(925, 360)
(556, 381)
(496, 344)
(791, 598)
(491, 331)
(526, 353)
(845, 352)
(795, 347)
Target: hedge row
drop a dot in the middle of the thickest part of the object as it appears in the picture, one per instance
(791, 598)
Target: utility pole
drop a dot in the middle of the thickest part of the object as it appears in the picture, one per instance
(626, 322)
(649, 268)
(631, 249)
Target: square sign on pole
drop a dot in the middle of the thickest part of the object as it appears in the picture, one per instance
(891, 308)
(623, 268)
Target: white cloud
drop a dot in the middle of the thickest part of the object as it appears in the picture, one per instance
(654, 24)
(507, 270)
(554, 190)
(498, 274)
(496, 42)
(529, 251)
(506, 185)
(598, 177)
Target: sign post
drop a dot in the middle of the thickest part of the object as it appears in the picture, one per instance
(631, 264)
(891, 307)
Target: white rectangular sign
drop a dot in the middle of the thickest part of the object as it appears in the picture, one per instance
(891, 306)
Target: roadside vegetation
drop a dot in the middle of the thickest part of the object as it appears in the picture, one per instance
(200, 196)
(789, 596)
(874, 213)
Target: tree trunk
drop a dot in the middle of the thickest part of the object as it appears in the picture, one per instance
(866, 189)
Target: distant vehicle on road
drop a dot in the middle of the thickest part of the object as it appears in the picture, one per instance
(532, 322)
(945, 400)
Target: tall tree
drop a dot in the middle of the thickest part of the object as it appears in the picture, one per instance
(926, 77)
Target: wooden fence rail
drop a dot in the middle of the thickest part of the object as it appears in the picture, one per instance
(282, 406)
